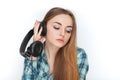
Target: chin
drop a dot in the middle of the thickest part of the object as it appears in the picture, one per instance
(59, 45)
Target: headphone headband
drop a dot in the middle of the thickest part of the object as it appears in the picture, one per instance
(24, 42)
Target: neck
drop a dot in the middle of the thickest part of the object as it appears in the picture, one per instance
(51, 52)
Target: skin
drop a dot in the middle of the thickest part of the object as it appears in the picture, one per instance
(58, 34)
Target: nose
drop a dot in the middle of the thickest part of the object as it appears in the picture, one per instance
(62, 32)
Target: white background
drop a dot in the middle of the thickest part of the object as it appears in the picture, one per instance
(98, 33)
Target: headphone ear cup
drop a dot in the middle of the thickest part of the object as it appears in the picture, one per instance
(28, 52)
(44, 31)
(35, 49)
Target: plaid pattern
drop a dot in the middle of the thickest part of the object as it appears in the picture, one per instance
(38, 69)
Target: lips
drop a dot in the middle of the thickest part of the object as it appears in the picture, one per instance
(60, 40)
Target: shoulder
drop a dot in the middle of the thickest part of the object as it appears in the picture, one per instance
(82, 62)
(82, 59)
(81, 53)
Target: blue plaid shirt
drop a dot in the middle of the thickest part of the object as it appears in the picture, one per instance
(39, 69)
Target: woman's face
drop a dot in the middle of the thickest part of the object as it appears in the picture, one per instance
(59, 30)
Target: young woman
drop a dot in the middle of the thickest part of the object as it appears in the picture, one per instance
(60, 58)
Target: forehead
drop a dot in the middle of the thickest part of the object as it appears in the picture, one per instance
(63, 19)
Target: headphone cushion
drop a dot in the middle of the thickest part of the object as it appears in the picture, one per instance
(35, 49)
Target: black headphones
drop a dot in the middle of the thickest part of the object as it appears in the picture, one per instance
(35, 48)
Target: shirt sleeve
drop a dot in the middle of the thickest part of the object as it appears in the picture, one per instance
(83, 66)
(30, 69)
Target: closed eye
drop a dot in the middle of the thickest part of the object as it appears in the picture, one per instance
(56, 27)
(68, 30)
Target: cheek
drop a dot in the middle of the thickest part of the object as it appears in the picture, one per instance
(51, 33)
(67, 37)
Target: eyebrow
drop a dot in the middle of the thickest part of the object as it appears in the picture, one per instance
(61, 24)
(58, 23)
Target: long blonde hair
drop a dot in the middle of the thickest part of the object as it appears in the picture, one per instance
(65, 65)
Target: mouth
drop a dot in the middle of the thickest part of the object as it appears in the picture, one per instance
(60, 40)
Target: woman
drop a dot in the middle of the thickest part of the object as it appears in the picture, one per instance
(60, 59)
